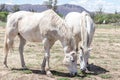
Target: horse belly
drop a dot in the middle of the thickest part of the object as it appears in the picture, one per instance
(32, 36)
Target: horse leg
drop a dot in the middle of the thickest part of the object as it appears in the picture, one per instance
(21, 48)
(7, 47)
(45, 63)
(88, 65)
(8, 44)
(76, 44)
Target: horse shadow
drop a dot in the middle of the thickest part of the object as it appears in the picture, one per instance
(37, 71)
(93, 70)
(96, 70)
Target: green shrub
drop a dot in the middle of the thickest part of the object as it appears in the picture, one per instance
(108, 18)
(3, 16)
(106, 76)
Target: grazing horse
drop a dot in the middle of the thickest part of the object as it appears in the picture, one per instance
(82, 27)
(46, 27)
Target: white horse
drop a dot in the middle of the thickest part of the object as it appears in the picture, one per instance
(46, 27)
(82, 27)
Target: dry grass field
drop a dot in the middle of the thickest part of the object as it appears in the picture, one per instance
(104, 59)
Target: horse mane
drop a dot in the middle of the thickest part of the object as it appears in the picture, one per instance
(59, 23)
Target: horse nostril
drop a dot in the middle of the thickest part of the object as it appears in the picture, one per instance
(73, 60)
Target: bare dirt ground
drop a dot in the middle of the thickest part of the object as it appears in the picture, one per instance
(104, 60)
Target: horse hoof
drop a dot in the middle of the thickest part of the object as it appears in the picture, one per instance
(49, 74)
(43, 72)
(6, 66)
(73, 74)
(24, 68)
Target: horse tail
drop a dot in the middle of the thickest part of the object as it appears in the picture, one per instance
(5, 48)
(8, 40)
(84, 33)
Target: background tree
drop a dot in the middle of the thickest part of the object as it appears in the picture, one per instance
(100, 9)
(116, 12)
(51, 4)
(3, 16)
(55, 5)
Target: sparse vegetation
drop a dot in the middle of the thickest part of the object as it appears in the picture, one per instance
(22, 71)
(105, 76)
(107, 26)
(106, 18)
(51, 4)
(3, 16)
(104, 60)
(2, 24)
(63, 79)
(26, 71)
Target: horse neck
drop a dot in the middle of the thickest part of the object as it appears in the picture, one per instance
(68, 45)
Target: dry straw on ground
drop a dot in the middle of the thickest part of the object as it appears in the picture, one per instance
(104, 59)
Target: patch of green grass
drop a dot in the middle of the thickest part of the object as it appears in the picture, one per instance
(100, 35)
(30, 65)
(30, 50)
(113, 41)
(79, 72)
(2, 23)
(56, 73)
(1, 46)
(55, 50)
(82, 75)
(105, 76)
(100, 40)
(27, 71)
(58, 57)
(115, 69)
(88, 75)
(107, 26)
(78, 78)
(14, 71)
(92, 57)
(40, 44)
(63, 79)
(22, 71)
